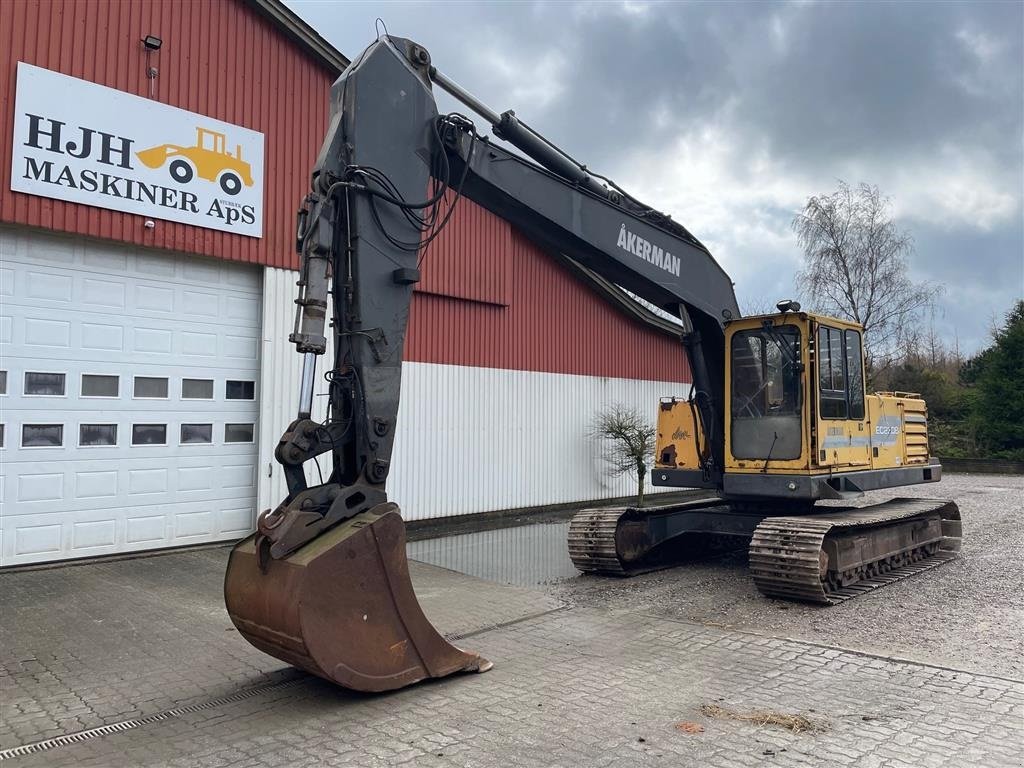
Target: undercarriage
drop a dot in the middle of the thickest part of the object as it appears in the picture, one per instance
(817, 554)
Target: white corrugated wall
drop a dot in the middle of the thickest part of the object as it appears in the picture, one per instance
(469, 439)
(280, 366)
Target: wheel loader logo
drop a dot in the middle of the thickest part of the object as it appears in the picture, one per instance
(208, 159)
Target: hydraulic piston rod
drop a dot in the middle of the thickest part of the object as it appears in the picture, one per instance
(306, 385)
(508, 127)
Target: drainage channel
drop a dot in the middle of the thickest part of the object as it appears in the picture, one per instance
(127, 725)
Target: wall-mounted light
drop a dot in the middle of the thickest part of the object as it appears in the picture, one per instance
(152, 44)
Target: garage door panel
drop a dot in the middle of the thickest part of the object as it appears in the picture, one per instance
(112, 314)
(96, 484)
(205, 304)
(34, 540)
(89, 535)
(6, 281)
(55, 334)
(102, 338)
(239, 476)
(48, 286)
(202, 344)
(239, 521)
(102, 293)
(146, 529)
(40, 486)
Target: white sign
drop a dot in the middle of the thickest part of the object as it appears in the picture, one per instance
(79, 141)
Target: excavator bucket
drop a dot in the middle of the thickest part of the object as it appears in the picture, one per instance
(342, 607)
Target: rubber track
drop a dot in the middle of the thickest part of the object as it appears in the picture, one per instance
(784, 551)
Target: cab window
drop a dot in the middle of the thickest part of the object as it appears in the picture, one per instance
(765, 394)
(840, 374)
(855, 374)
(831, 374)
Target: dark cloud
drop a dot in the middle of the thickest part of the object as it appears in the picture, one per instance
(729, 115)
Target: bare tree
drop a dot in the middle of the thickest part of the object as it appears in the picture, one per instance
(759, 305)
(856, 266)
(630, 442)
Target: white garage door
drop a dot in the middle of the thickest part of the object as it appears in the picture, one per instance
(130, 397)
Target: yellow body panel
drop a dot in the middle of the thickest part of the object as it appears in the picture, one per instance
(892, 432)
(899, 432)
(679, 435)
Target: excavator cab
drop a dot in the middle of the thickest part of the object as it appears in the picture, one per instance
(798, 421)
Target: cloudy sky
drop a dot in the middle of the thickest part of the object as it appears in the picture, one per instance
(729, 115)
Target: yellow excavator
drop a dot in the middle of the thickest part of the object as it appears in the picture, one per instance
(777, 420)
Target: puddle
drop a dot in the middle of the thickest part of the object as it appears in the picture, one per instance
(526, 556)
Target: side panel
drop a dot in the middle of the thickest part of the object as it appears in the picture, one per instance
(679, 435)
(899, 430)
(845, 444)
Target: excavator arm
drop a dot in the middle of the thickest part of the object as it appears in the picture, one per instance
(324, 583)
(376, 199)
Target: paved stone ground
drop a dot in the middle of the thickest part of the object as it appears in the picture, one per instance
(88, 645)
(591, 688)
(602, 682)
(968, 613)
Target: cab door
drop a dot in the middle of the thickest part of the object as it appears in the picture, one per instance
(843, 436)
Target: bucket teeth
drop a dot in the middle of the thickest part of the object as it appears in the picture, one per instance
(342, 607)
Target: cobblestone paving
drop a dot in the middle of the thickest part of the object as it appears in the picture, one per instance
(601, 682)
(592, 688)
(87, 645)
(967, 614)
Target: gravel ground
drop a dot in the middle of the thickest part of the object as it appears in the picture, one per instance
(968, 613)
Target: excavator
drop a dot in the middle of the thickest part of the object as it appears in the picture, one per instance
(777, 419)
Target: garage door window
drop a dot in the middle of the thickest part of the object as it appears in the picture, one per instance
(196, 433)
(42, 435)
(197, 389)
(45, 384)
(100, 385)
(91, 435)
(152, 387)
(238, 433)
(149, 434)
(240, 390)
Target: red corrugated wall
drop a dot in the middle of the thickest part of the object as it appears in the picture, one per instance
(488, 297)
(552, 321)
(220, 59)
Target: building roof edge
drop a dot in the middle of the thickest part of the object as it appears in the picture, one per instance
(302, 33)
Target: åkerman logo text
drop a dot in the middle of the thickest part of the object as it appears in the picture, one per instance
(628, 241)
